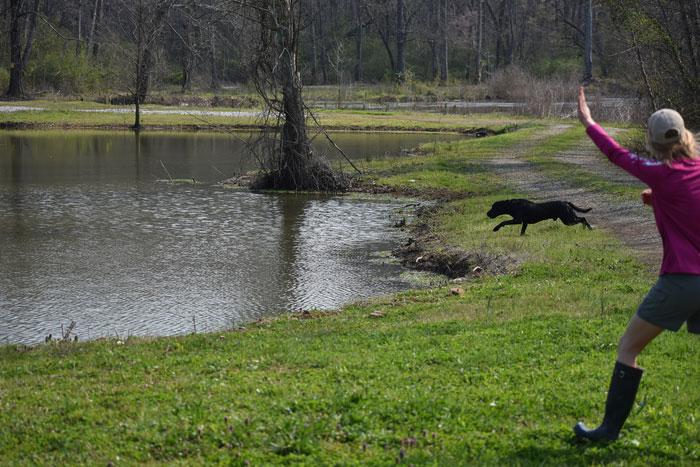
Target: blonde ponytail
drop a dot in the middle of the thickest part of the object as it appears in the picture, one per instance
(684, 148)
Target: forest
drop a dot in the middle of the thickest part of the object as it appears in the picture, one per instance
(646, 49)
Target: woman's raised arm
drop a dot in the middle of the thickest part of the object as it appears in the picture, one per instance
(584, 113)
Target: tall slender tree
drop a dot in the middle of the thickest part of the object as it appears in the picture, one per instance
(23, 17)
(479, 41)
(144, 20)
(588, 41)
(444, 55)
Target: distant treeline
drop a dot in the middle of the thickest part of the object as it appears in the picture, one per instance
(649, 47)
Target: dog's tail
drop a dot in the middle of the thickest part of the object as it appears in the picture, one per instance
(576, 208)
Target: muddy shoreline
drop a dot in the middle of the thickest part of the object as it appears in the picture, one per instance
(425, 251)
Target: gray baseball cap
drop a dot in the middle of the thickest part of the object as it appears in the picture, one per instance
(665, 126)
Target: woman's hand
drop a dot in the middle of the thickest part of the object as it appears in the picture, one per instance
(584, 113)
(647, 197)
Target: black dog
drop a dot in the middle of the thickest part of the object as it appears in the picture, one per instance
(526, 212)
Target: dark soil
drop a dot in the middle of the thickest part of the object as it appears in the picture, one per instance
(424, 251)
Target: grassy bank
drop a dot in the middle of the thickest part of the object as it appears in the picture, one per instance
(90, 115)
(496, 375)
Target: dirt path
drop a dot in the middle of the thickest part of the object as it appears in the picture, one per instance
(630, 221)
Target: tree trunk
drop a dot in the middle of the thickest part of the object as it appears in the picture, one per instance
(19, 57)
(444, 59)
(358, 70)
(214, 82)
(292, 163)
(643, 72)
(93, 25)
(100, 17)
(31, 28)
(314, 48)
(479, 41)
(497, 21)
(588, 48)
(384, 36)
(143, 81)
(690, 38)
(400, 40)
(524, 29)
(188, 59)
(434, 27)
(15, 87)
(512, 20)
(79, 42)
(322, 37)
(139, 66)
(295, 143)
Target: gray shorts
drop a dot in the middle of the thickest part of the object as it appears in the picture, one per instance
(674, 300)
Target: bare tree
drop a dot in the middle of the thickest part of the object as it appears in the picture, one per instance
(360, 23)
(444, 57)
(23, 16)
(143, 22)
(187, 32)
(213, 68)
(655, 37)
(393, 20)
(479, 41)
(291, 164)
(401, 34)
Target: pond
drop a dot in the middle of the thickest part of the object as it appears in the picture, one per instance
(90, 235)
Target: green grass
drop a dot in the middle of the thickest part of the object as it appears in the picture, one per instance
(496, 376)
(71, 114)
(454, 166)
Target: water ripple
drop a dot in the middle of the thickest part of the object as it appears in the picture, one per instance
(161, 260)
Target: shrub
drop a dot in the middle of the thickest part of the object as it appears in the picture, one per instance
(67, 72)
(556, 96)
(57, 67)
(540, 97)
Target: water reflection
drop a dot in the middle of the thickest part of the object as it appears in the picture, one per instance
(125, 157)
(87, 235)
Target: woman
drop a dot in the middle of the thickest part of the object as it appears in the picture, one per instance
(673, 176)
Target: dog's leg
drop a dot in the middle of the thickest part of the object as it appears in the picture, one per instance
(578, 220)
(504, 223)
(522, 230)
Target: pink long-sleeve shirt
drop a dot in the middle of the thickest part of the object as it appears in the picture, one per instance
(676, 201)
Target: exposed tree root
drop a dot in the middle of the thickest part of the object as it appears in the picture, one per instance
(425, 251)
(315, 175)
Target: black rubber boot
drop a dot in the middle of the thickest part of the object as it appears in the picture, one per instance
(623, 390)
